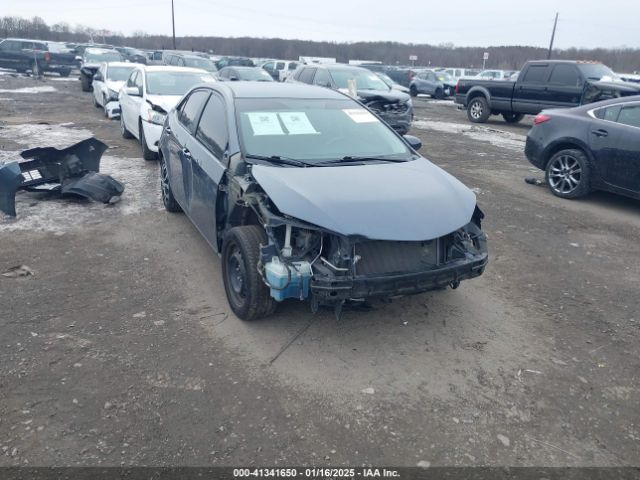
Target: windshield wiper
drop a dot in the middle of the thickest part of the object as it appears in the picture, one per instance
(365, 158)
(278, 159)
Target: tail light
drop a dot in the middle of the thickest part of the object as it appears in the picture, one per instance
(411, 75)
(47, 57)
(541, 118)
(457, 86)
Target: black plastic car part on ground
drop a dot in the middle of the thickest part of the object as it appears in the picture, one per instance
(285, 182)
(542, 84)
(70, 171)
(592, 147)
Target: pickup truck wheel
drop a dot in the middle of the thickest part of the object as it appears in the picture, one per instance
(568, 174)
(439, 94)
(512, 117)
(168, 200)
(413, 91)
(478, 110)
(247, 294)
(147, 153)
(123, 128)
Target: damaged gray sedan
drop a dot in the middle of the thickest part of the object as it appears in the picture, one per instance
(306, 194)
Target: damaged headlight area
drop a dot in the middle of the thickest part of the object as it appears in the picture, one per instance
(156, 114)
(113, 95)
(303, 261)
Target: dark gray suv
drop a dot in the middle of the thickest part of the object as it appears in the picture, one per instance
(390, 105)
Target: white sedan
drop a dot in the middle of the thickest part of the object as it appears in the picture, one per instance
(147, 97)
(107, 82)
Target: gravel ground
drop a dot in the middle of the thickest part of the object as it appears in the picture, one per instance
(121, 348)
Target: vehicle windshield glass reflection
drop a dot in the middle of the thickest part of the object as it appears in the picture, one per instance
(315, 130)
(174, 83)
(364, 80)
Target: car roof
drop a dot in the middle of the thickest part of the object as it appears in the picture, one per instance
(241, 67)
(280, 90)
(100, 50)
(122, 64)
(26, 40)
(336, 66)
(169, 68)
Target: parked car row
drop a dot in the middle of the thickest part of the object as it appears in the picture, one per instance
(260, 167)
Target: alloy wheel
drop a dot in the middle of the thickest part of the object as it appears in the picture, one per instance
(476, 109)
(565, 174)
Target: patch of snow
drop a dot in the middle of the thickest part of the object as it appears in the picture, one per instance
(50, 213)
(45, 89)
(64, 79)
(499, 138)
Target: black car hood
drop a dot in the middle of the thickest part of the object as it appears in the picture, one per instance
(390, 96)
(409, 201)
(604, 90)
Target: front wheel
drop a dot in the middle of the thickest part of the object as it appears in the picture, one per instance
(568, 174)
(512, 117)
(247, 294)
(478, 110)
(123, 128)
(413, 91)
(439, 94)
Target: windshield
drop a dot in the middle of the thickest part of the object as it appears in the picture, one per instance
(174, 83)
(254, 74)
(364, 79)
(200, 63)
(119, 74)
(314, 130)
(386, 79)
(90, 57)
(597, 71)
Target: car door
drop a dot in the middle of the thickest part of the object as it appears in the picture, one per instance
(9, 50)
(99, 84)
(269, 67)
(209, 162)
(530, 92)
(125, 99)
(565, 87)
(618, 146)
(136, 105)
(180, 145)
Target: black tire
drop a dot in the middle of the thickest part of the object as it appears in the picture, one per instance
(512, 117)
(104, 106)
(95, 102)
(247, 294)
(147, 153)
(86, 86)
(123, 128)
(168, 200)
(413, 91)
(478, 110)
(439, 94)
(568, 174)
(65, 72)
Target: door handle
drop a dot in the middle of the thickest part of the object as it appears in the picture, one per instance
(186, 153)
(600, 132)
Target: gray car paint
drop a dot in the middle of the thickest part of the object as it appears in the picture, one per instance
(409, 201)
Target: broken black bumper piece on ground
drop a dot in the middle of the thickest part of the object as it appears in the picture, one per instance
(70, 171)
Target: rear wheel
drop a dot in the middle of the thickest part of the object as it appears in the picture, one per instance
(478, 110)
(168, 200)
(568, 174)
(65, 72)
(147, 153)
(512, 117)
(86, 86)
(413, 91)
(247, 294)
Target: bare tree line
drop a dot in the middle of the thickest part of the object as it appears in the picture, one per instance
(506, 57)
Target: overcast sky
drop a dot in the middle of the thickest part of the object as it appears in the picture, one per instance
(583, 23)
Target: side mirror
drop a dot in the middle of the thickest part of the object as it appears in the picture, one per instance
(414, 142)
(234, 79)
(133, 91)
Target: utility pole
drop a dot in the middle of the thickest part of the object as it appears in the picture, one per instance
(173, 24)
(553, 35)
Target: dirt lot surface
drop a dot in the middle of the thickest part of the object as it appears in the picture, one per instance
(121, 348)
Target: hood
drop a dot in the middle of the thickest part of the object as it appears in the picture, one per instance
(166, 102)
(620, 86)
(410, 201)
(114, 85)
(597, 91)
(400, 88)
(391, 96)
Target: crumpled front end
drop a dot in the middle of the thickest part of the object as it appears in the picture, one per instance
(398, 115)
(113, 109)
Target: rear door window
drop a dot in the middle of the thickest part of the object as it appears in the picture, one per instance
(566, 75)
(630, 116)
(536, 74)
(322, 78)
(188, 115)
(280, 66)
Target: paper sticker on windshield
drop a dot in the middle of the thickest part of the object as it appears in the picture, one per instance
(360, 115)
(265, 123)
(297, 123)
